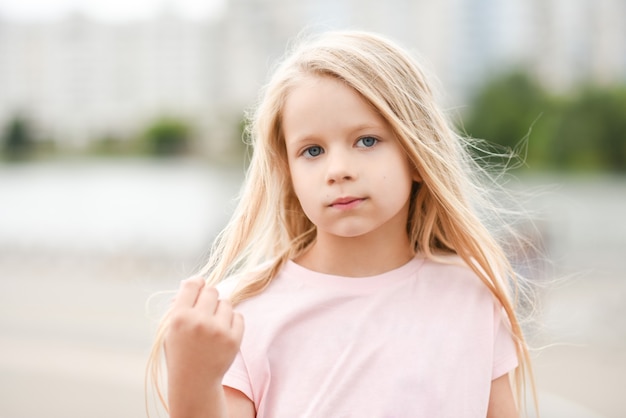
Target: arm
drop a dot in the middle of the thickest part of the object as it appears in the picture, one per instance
(239, 405)
(501, 400)
(201, 343)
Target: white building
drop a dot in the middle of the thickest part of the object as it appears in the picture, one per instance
(81, 79)
(579, 40)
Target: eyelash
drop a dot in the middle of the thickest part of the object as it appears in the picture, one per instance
(307, 152)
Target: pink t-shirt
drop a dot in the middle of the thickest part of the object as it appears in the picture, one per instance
(423, 340)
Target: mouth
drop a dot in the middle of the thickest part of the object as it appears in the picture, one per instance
(347, 202)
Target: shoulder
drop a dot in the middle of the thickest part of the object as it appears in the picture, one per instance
(228, 286)
(450, 267)
(451, 274)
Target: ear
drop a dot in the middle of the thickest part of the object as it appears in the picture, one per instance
(415, 175)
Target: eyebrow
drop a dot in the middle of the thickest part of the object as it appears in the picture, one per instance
(352, 130)
(367, 126)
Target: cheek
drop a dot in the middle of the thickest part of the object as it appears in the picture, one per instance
(301, 190)
(296, 183)
(293, 177)
(399, 186)
(308, 207)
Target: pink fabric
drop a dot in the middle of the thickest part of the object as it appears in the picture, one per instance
(424, 340)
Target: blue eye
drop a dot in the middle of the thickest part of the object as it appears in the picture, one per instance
(313, 151)
(367, 142)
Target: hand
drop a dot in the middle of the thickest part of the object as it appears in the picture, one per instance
(203, 337)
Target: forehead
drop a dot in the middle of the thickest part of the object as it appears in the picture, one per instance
(317, 104)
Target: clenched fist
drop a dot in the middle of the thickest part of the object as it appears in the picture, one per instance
(201, 342)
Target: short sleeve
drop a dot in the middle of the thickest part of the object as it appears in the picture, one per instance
(504, 353)
(237, 377)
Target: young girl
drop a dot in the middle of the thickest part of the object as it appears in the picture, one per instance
(368, 285)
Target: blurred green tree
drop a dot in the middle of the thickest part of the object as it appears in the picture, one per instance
(167, 136)
(506, 109)
(17, 142)
(585, 130)
(591, 133)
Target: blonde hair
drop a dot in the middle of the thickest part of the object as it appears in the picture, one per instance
(269, 226)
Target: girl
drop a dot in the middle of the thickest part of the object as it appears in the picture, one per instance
(368, 284)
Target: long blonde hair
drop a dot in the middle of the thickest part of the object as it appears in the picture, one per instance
(269, 226)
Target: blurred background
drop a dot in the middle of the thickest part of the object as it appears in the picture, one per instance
(121, 154)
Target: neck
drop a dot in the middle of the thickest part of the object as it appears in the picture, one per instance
(357, 256)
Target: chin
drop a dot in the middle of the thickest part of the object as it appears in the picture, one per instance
(350, 232)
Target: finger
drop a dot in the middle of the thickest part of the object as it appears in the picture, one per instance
(208, 300)
(224, 312)
(188, 292)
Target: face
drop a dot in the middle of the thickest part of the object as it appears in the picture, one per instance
(348, 170)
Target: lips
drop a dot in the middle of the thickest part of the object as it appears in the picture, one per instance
(348, 202)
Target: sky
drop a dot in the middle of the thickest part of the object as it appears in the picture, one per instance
(110, 10)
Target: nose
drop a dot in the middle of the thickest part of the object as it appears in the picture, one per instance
(340, 167)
